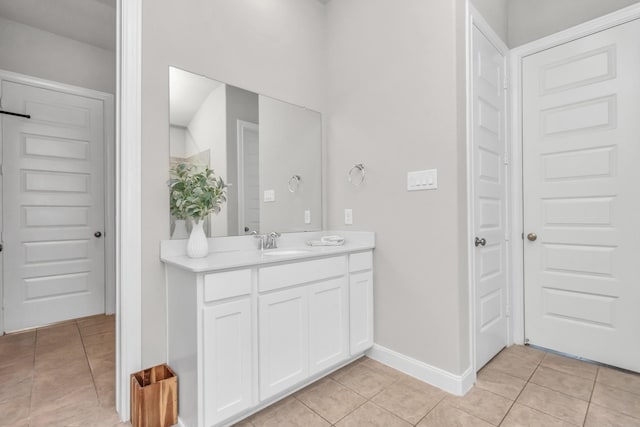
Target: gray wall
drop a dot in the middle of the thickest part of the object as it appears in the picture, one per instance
(397, 104)
(273, 48)
(38, 53)
(530, 20)
(495, 12)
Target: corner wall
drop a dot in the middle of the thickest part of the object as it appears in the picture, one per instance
(273, 48)
(397, 104)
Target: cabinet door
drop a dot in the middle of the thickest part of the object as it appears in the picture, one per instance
(284, 340)
(328, 324)
(228, 369)
(361, 311)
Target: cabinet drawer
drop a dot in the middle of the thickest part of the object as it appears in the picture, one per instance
(228, 284)
(361, 261)
(281, 276)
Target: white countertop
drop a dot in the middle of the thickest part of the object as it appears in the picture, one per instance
(237, 252)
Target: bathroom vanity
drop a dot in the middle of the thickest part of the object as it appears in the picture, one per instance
(249, 327)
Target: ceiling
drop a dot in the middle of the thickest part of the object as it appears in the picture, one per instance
(187, 92)
(87, 21)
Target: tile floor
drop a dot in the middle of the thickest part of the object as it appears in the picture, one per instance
(521, 386)
(61, 375)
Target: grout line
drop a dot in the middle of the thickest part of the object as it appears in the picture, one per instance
(595, 380)
(86, 356)
(33, 377)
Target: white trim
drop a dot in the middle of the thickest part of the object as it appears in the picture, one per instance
(475, 19)
(458, 385)
(594, 26)
(107, 100)
(241, 125)
(128, 201)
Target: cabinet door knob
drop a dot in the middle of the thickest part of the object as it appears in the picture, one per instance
(532, 237)
(97, 234)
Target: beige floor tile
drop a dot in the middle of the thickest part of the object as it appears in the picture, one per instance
(96, 325)
(554, 403)
(15, 387)
(617, 400)
(99, 345)
(482, 404)
(513, 365)
(381, 367)
(603, 417)
(57, 335)
(372, 416)
(364, 380)
(47, 400)
(86, 416)
(444, 415)
(17, 344)
(523, 416)
(289, 413)
(244, 423)
(409, 398)
(525, 352)
(619, 379)
(570, 366)
(577, 387)
(330, 399)
(14, 412)
(500, 383)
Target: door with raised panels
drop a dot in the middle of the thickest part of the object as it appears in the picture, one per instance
(581, 147)
(489, 197)
(53, 199)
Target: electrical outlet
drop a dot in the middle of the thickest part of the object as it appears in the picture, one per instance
(307, 217)
(348, 216)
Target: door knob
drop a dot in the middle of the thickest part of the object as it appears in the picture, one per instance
(532, 237)
(97, 234)
(480, 242)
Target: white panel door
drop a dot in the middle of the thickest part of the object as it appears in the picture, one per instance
(284, 340)
(53, 198)
(489, 197)
(360, 311)
(248, 177)
(228, 367)
(581, 118)
(328, 324)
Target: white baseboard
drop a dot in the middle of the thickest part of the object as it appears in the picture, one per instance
(451, 383)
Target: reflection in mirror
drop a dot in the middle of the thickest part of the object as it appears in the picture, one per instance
(267, 151)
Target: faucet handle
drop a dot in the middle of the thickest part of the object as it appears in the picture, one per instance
(262, 238)
(275, 234)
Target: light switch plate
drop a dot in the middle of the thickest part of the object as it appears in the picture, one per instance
(307, 217)
(269, 195)
(348, 216)
(422, 180)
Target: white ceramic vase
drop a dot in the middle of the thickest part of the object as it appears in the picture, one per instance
(180, 230)
(197, 246)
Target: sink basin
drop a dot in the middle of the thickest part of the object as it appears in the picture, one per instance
(285, 252)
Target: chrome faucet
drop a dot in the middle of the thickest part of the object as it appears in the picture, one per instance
(272, 240)
(267, 241)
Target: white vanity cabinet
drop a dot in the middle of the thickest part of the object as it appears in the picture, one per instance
(242, 338)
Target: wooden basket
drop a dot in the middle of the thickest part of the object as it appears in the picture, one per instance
(154, 397)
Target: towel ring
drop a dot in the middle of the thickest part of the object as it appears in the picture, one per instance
(294, 183)
(356, 174)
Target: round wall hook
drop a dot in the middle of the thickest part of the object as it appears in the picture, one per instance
(356, 174)
(294, 183)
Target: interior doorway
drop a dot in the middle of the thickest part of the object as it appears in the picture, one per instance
(580, 134)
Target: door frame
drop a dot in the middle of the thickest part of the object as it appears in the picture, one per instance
(241, 126)
(516, 56)
(110, 176)
(475, 19)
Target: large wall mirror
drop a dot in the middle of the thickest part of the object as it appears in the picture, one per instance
(267, 151)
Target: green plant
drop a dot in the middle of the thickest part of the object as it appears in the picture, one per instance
(195, 194)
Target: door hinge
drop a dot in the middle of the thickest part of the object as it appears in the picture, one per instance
(506, 83)
(507, 237)
(506, 158)
(507, 310)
